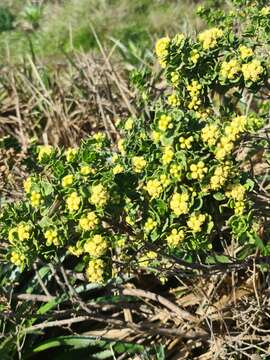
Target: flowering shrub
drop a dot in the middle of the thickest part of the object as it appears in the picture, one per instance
(174, 186)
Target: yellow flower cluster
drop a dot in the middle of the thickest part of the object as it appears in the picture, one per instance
(118, 169)
(44, 151)
(51, 236)
(224, 148)
(86, 170)
(88, 221)
(165, 122)
(173, 100)
(16, 258)
(67, 180)
(239, 207)
(252, 71)
(96, 246)
(27, 185)
(194, 56)
(162, 52)
(71, 154)
(245, 52)
(168, 154)
(150, 224)
(138, 163)
(194, 92)
(196, 221)
(36, 199)
(198, 171)
(95, 271)
(23, 232)
(179, 203)
(186, 143)
(209, 38)
(230, 69)
(175, 238)
(154, 188)
(99, 136)
(73, 202)
(236, 127)
(99, 195)
(210, 134)
(236, 192)
(219, 178)
(146, 259)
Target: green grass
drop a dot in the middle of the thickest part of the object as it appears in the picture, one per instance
(65, 25)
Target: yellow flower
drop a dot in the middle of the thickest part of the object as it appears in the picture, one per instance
(150, 225)
(155, 136)
(44, 151)
(194, 56)
(120, 145)
(23, 231)
(245, 52)
(154, 188)
(210, 134)
(73, 202)
(165, 122)
(239, 207)
(99, 136)
(179, 203)
(129, 124)
(51, 236)
(194, 89)
(71, 154)
(230, 69)
(76, 250)
(88, 221)
(252, 71)
(17, 259)
(198, 170)
(265, 11)
(35, 198)
(175, 170)
(129, 221)
(165, 181)
(11, 234)
(96, 246)
(146, 259)
(86, 170)
(162, 52)
(95, 271)
(67, 180)
(209, 38)
(175, 238)
(235, 128)
(173, 100)
(175, 76)
(186, 143)
(27, 185)
(167, 155)
(99, 195)
(196, 222)
(138, 163)
(236, 192)
(118, 169)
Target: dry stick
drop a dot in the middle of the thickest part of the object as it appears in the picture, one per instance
(160, 299)
(150, 328)
(41, 283)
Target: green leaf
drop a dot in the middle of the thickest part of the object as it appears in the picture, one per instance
(219, 196)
